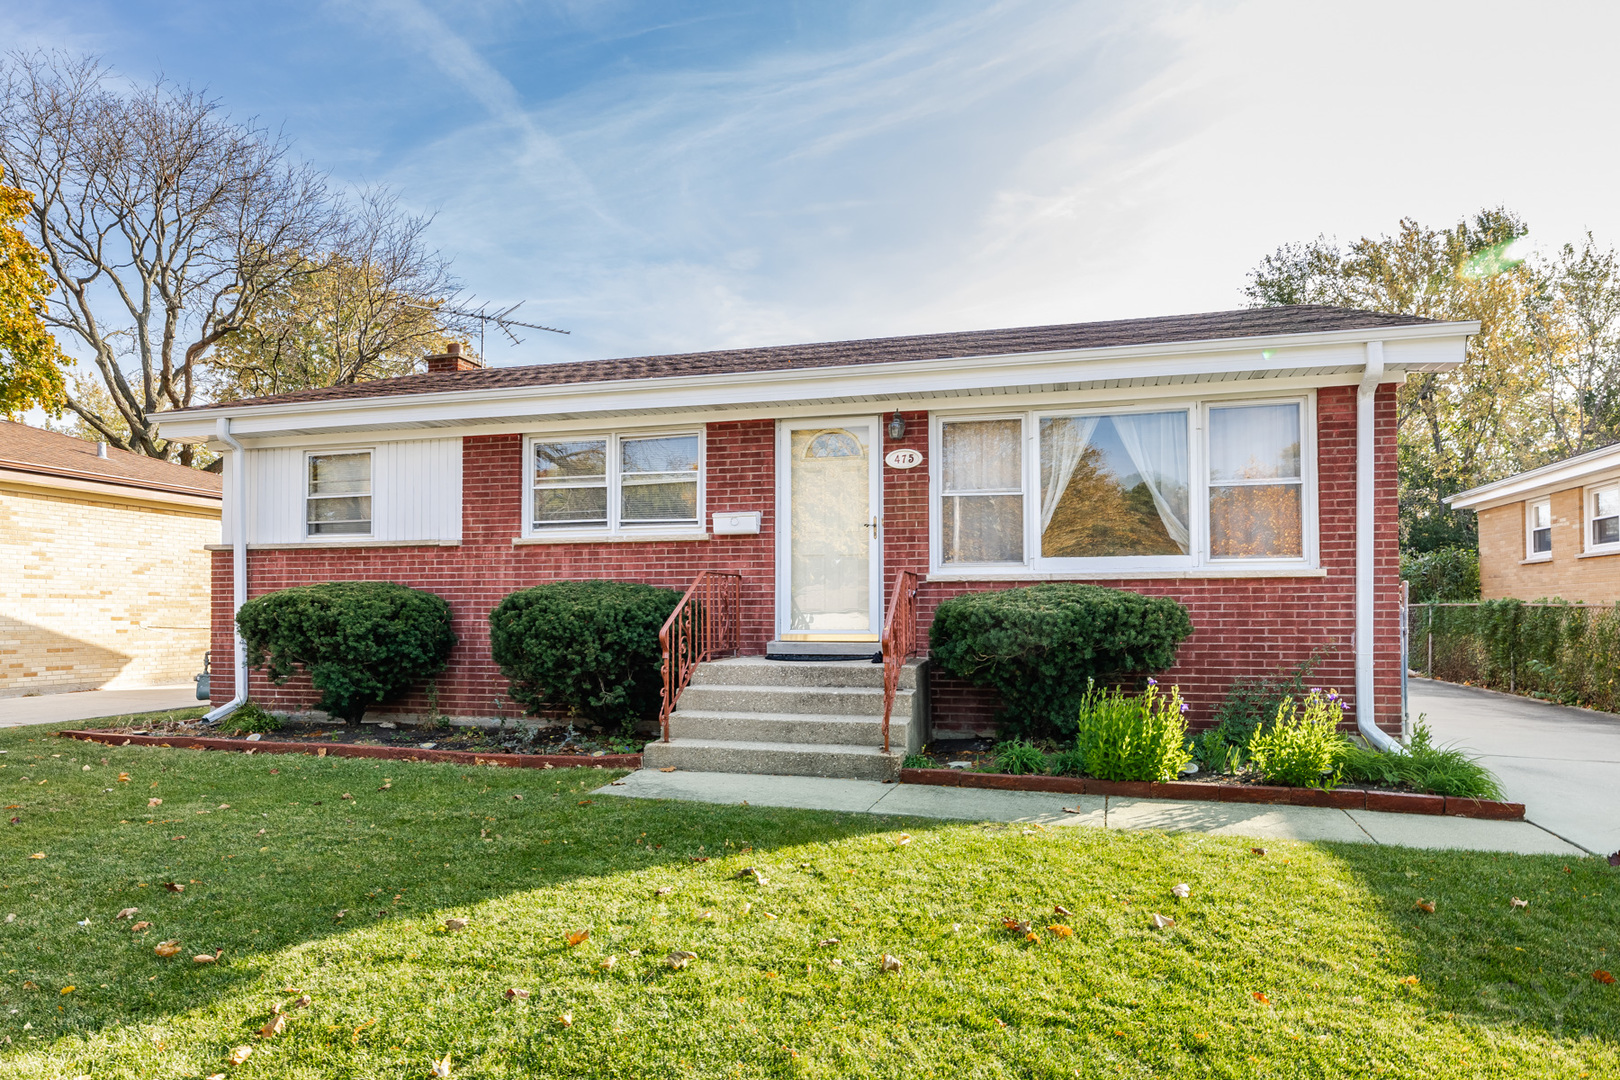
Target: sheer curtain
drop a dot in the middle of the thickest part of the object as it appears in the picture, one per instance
(1063, 442)
(1157, 445)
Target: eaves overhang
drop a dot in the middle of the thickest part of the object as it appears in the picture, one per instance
(1570, 472)
(1329, 356)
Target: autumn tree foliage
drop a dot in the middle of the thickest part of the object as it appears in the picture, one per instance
(29, 373)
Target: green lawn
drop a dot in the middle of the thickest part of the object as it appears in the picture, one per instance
(1308, 961)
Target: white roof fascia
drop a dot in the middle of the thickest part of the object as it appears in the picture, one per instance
(1559, 475)
(1424, 347)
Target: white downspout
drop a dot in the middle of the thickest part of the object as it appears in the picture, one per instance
(1366, 549)
(238, 490)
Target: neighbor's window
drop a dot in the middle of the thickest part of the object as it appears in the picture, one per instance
(1539, 525)
(1605, 511)
(339, 497)
(1114, 485)
(1256, 483)
(981, 492)
(587, 483)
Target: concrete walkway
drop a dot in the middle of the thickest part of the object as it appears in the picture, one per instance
(978, 804)
(90, 704)
(1563, 764)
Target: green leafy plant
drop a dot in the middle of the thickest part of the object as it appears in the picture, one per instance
(1303, 748)
(1444, 575)
(1249, 707)
(1041, 646)
(588, 646)
(362, 642)
(1140, 737)
(1020, 757)
(249, 718)
(1423, 767)
(1212, 752)
(1069, 762)
(918, 761)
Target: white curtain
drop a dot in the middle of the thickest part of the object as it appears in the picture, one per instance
(1253, 442)
(982, 455)
(1063, 442)
(1157, 445)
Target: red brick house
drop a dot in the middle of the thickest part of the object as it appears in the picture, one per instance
(1242, 462)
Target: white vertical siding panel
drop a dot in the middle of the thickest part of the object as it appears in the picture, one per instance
(275, 488)
(416, 488)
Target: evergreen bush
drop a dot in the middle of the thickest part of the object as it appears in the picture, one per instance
(1043, 645)
(362, 642)
(590, 647)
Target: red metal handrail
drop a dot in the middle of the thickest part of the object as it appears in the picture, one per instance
(899, 640)
(705, 624)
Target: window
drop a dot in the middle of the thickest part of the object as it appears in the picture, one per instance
(1538, 523)
(1127, 489)
(338, 501)
(1256, 484)
(982, 494)
(609, 482)
(1605, 516)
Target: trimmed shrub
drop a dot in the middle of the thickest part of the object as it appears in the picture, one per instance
(1303, 749)
(362, 642)
(1042, 646)
(590, 647)
(1144, 737)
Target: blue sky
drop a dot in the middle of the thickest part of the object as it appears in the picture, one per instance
(674, 176)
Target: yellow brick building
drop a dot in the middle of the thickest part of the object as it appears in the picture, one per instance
(104, 572)
(1553, 532)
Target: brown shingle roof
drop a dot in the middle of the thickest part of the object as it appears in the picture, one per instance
(1211, 326)
(32, 450)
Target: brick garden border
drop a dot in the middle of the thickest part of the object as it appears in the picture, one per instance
(387, 753)
(1399, 802)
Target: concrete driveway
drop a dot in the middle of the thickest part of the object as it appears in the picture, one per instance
(89, 704)
(1562, 763)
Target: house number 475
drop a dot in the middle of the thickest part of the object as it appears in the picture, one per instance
(903, 458)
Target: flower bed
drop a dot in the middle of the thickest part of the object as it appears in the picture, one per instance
(391, 753)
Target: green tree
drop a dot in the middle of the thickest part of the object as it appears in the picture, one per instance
(30, 368)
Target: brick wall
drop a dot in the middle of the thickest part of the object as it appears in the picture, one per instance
(99, 593)
(1243, 626)
(1504, 573)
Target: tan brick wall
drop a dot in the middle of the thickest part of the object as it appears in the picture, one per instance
(100, 593)
(1504, 573)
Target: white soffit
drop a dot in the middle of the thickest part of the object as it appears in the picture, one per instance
(1593, 465)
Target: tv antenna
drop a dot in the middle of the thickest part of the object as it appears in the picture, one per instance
(484, 316)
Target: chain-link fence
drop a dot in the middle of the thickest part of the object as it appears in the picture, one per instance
(1568, 653)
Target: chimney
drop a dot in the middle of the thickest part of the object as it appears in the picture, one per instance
(451, 360)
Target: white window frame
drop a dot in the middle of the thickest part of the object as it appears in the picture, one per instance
(1530, 552)
(371, 493)
(614, 529)
(1589, 494)
(1196, 561)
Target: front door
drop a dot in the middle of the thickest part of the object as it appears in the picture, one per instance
(829, 544)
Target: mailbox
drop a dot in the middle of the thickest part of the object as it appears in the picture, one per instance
(743, 523)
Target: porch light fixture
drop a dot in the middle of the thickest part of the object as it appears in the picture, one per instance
(897, 425)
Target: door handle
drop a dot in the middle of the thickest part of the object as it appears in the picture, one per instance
(875, 523)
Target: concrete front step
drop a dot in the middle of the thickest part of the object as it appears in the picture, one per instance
(759, 671)
(777, 758)
(839, 700)
(793, 727)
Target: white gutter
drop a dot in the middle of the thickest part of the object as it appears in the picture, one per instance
(238, 490)
(1366, 549)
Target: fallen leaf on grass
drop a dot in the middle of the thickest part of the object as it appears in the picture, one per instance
(1426, 906)
(1059, 909)
(123, 778)
(1163, 922)
(441, 1067)
(345, 795)
(1410, 980)
(1261, 998)
(889, 963)
(273, 1026)
(154, 802)
(514, 994)
(300, 1003)
(455, 924)
(240, 1054)
(174, 886)
(67, 989)
(388, 786)
(566, 1019)
(1603, 977)
(578, 937)
(37, 855)
(1018, 926)
(667, 768)
(215, 1076)
(167, 949)
(339, 916)
(751, 872)
(679, 958)
(321, 752)
(665, 891)
(902, 840)
(1257, 850)
(1181, 891)
(204, 958)
(1061, 930)
(1517, 903)
(828, 943)
(609, 964)
(126, 913)
(697, 858)
(140, 926)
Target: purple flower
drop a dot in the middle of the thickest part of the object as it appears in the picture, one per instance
(1152, 681)
(1316, 689)
(1333, 695)
(1183, 706)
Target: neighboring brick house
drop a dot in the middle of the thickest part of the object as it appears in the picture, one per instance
(104, 568)
(1242, 462)
(1551, 533)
